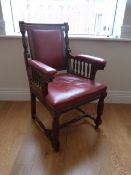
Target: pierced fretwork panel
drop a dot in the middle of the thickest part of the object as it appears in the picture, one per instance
(36, 78)
(80, 68)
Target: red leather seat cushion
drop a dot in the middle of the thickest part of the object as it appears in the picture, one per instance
(68, 89)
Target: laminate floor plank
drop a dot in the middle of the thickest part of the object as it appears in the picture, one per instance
(25, 150)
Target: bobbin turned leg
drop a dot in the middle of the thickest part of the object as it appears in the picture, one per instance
(100, 107)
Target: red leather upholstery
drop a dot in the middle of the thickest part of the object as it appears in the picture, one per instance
(47, 47)
(67, 90)
(43, 68)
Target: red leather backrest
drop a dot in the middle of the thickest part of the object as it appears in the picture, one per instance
(47, 47)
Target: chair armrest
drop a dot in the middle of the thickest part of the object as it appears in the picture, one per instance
(45, 70)
(40, 75)
(98, 62)
(85, 65)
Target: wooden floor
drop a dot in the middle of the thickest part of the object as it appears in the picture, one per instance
(25, 150)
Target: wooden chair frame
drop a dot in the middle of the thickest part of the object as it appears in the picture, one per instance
(82, 65)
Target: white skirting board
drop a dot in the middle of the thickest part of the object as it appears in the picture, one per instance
(14, 94)
(23, 94)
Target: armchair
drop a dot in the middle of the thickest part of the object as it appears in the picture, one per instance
(46, 52)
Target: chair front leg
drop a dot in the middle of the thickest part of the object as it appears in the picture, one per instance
(33, 106)
(55, 133)
(100, 107)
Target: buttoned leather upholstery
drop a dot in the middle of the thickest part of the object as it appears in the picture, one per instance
(67, 90)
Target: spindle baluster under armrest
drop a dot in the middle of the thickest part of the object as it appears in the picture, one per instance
(40, 74)
(86, 65)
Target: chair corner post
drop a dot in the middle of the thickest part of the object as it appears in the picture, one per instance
(100, 107)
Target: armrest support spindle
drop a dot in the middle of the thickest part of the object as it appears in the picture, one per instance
(86, 65)
(40, 75)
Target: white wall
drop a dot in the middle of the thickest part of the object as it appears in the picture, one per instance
(117, 74)
(13, 80)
